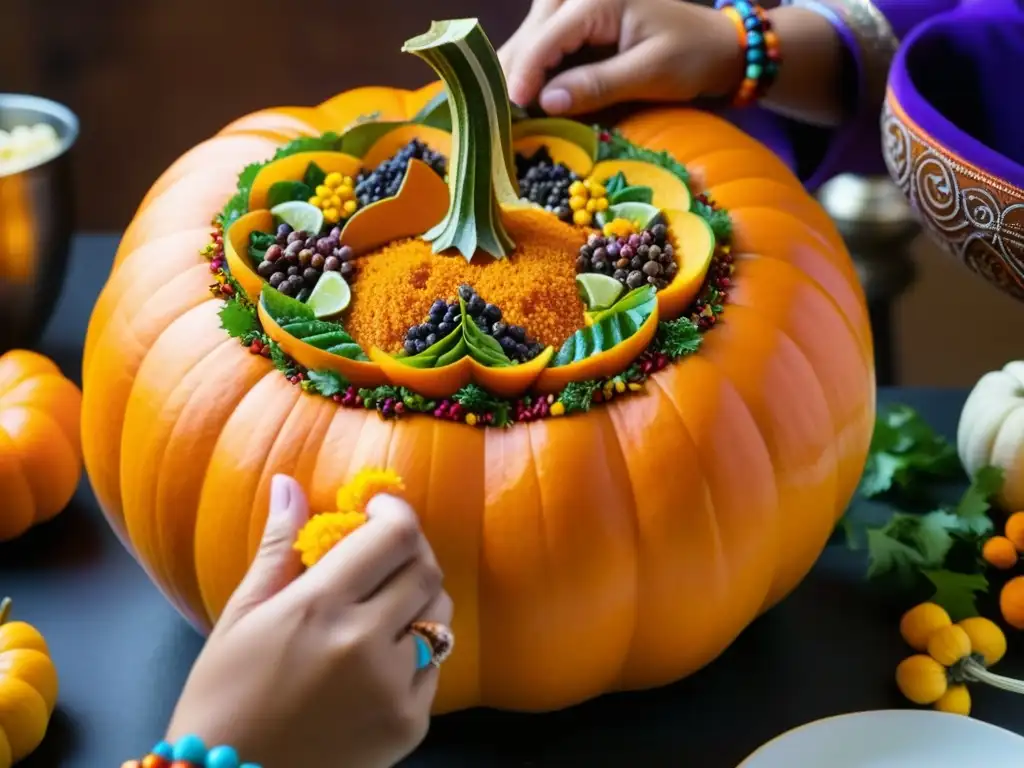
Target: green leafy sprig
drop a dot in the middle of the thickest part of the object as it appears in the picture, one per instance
(615, 146)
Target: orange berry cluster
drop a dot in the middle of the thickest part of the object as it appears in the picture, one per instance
(1003, 552)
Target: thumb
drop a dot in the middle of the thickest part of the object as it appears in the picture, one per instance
(276, 563)
(591, 87)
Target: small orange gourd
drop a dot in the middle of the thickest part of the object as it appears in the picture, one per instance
(40, 447)
(921, 679)
(948, 645)
(921, 622)
(28, 688)
(956, 700)
(1015, 530)
(1000, 552)
(986, 638)
(1011, 602)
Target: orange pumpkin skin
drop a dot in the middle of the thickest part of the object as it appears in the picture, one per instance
(40, 447)
(707, 497)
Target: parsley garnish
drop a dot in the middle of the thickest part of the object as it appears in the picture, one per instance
(578, 396)
(327, 383)
(238, 318)
(717, 218)
(477, 400)
(956, 591)
(679, 337)
(906, 450)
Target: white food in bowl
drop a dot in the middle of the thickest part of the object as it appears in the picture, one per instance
(27, 145)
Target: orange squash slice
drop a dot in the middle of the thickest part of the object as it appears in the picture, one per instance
(669, 189)
(421, 202)
(562, 151)
(392, 141)
(608, 363)
(694, 244)
(236, 250)
(293, 167)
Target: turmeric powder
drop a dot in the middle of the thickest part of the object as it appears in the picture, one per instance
(535, 286)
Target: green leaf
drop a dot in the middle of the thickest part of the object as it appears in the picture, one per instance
(237, 319)
(313, 177)
(615, 184)
(887, 555)
(678, 338)
(286, 191)
(328, 142)
(642, 299)
(259, 243)
(303, 329)
(327, 383)
(481, 174)
(905, 451)
(974, 504)
(358, 139)
(280, 307)
(717, 218)
(432, 355)
(632, 195)
(478, 400)
(597, 338)
(578, 396)
(483, 348)
(956, 592)
(281, 361)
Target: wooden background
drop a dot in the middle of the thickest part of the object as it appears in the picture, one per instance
(150, 78)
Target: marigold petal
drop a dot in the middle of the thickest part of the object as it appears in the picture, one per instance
(356, 494)
(319, 535)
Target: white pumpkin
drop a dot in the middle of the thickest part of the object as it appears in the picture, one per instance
(991, 430)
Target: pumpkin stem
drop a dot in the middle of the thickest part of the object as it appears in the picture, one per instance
(5, 610)
(972, 670)
(481, 173)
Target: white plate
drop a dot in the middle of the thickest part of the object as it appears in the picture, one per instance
(898, 738)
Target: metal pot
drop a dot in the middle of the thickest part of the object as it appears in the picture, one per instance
(35, 224)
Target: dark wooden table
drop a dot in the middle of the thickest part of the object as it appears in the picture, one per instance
(123, 653)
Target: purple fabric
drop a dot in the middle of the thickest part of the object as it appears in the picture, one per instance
(956, 76)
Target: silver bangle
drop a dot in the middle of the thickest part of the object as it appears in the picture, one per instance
(874, 34)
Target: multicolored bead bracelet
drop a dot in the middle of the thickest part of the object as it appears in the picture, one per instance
(189, 752)
(760, 49)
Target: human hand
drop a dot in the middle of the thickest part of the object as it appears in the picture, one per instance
(668, 50)
(317, 668)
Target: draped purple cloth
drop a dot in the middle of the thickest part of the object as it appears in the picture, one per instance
(958, 71)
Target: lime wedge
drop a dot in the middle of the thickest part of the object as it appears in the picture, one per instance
(300, 216)
(598, 291)
(331, 295)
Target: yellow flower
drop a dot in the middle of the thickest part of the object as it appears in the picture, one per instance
(323, 531)
(355, 495)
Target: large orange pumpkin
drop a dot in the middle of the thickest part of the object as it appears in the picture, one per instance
(620, 548)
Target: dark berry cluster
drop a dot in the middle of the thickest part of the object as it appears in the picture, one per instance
(646, 258)
(294, 263)
(384, 180)
(545, 182)
(444, 316)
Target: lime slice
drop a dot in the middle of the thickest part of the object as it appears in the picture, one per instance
(330, 296)
(300, 216)
(598, 291)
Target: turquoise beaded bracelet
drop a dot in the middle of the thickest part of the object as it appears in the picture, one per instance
(189, 752)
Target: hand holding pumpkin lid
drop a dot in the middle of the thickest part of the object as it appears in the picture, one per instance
(28, 688)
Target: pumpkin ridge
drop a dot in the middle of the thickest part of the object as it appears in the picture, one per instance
(140, 523)
(50, 498)
(16, 475)
(651, 625)
(215, 552)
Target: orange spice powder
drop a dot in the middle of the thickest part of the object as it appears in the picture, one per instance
(534, 287)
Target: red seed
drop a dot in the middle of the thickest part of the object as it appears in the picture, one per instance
(336, 398)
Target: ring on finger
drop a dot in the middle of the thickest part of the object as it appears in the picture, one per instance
(434, 643)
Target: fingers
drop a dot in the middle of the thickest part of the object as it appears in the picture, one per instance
(574, 24)
(594, 86)
(439, 610)
(276, 564)
(412, 590)
(358, 565)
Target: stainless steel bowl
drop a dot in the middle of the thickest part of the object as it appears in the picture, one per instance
(35, 223)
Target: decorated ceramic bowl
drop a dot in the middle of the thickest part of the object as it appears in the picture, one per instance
(952, 136)
(625, 372)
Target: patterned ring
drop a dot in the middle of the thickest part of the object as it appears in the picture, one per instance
(434, 643)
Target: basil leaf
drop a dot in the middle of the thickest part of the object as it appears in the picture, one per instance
(435, 350)
(286, 191)
(598, 338)
(615, 184)
(643, 299)
(314, 176)
(279, 306)
(348, 349)
(454, 354)
(632, 195)
(259, 243)
(483, 348)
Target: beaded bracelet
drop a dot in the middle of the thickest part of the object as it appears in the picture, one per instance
(189, 752)
(760, 49)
